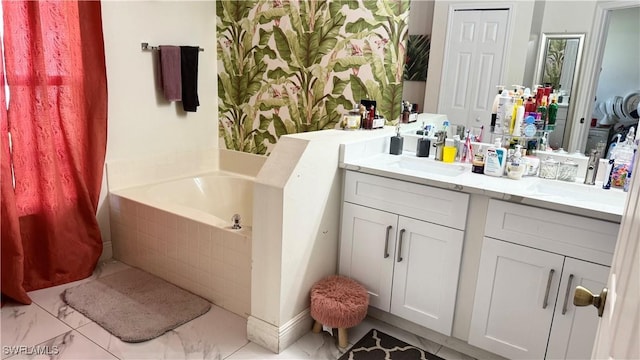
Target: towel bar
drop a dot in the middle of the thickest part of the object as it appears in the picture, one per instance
(145, 47)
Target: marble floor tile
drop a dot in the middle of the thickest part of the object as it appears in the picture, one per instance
(450, 354)
(311, 346)
(48, 325)
(51, 299)
(27, 325)
(69, 346)
(214, 335)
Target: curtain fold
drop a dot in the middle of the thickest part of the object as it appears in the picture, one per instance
(55, 68)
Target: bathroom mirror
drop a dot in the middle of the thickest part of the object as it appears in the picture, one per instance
(558, 65)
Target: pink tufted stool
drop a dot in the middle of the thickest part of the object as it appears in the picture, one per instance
(338, 302)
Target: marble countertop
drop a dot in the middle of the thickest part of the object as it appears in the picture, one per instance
(575, 198)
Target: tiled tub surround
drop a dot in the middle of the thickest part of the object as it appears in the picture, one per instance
(176, 231)
(186, 244)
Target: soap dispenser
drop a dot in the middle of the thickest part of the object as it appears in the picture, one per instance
(423, 146)
(515, 166)
(396, 143)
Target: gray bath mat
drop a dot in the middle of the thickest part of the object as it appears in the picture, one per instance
(134, 305)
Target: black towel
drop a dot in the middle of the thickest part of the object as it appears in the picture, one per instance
(189, 65)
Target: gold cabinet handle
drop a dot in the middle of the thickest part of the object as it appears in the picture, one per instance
(566, 296)
(584, 297)
(546, 293)
(386, 242)
(400, 245)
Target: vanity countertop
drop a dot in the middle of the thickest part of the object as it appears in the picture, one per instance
(575, 198)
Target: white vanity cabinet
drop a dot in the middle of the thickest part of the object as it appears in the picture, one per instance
(532, 259)
(403, 242)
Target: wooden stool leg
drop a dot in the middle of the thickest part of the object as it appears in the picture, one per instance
(317, 327)
(342, 338)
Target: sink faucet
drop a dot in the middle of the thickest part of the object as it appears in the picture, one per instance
(439, 144)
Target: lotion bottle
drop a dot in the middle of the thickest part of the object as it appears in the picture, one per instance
(502, 112)
(518, 118)
(494, 108)
(516, 165)
(495, 160)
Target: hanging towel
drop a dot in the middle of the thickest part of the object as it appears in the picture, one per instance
(189, 64)
(170, 72)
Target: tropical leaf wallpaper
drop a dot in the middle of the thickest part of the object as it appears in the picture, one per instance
(294, 66)
(417, 59)
(554, 62)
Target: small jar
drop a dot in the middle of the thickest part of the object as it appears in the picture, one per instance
(352, 120)
(548, 168)
(567, 171)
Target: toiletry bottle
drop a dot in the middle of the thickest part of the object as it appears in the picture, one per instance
(506, 127)
(495, 159)
(552, 114)
(478, 162)
(494, 108)
(530, 127)
(396, 143)
(517, 121)
(370, 115)
(530, 105)
(516, 166)
(542, 109)
(405, 112)
(539, 95)
(501, 113)
(622, 162)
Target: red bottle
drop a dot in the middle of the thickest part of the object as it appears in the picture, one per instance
(372, 114)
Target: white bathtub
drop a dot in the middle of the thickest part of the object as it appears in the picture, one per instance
(220, 194)
(181, 231)
(211, 198)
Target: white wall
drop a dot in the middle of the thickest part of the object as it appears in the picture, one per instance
(141, 124)
(516, 45)
(568, 16)
(620, 63)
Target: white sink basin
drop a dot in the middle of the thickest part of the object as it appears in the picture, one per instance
(428, 165)
(580, 192)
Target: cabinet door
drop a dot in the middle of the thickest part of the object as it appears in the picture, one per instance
(425, 281)
(515, 297)
(574, 328)
(367, 245)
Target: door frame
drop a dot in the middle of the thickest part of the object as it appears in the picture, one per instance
(590, 71)
(476, 6)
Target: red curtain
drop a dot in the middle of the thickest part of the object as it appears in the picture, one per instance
(57, 118)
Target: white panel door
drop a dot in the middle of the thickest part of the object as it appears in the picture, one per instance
(367, 249)
(618, 331)
(515, 297)
(473, 66)
(425, 278)
(574, 328)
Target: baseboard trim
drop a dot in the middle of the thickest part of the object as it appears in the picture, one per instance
(295, 328)
(276, 338)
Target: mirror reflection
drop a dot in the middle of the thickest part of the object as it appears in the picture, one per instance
(558, 66)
